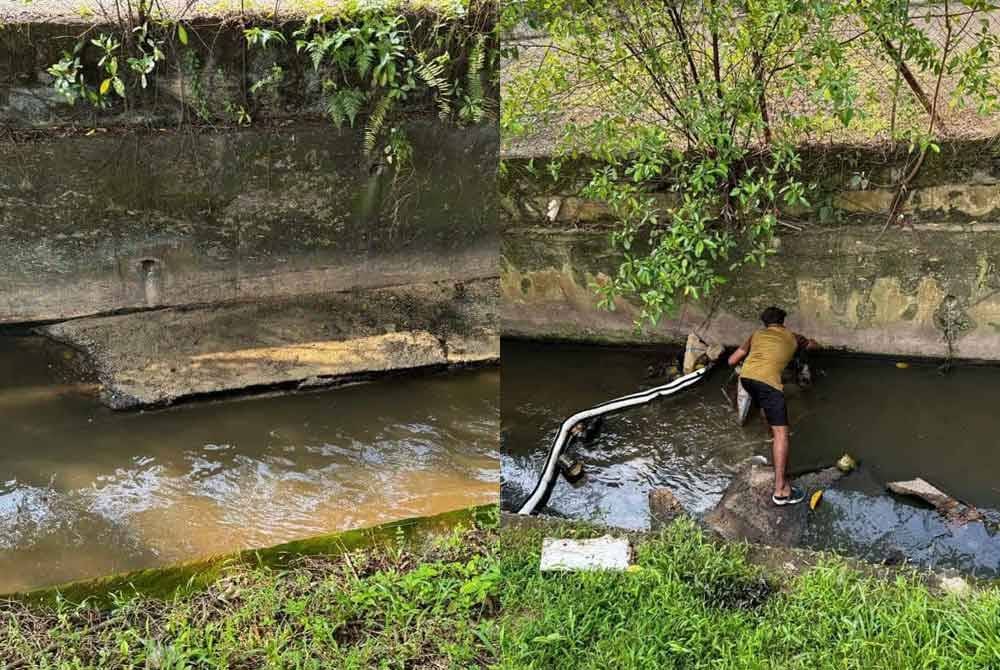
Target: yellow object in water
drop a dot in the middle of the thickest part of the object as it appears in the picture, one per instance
(902, 366)
(814, 500)
(846, 463)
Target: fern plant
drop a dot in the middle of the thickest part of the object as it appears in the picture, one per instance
(473, 108)
(344, 105)
(379, 62)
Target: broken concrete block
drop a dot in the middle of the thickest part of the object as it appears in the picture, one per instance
(603, 553)
(944, 503)
(663, 508)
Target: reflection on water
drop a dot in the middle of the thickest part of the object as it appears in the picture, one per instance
(85, 491)
(900, 423)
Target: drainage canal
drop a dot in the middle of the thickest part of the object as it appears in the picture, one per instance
(900, 423)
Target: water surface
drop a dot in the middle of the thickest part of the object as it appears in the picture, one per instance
(900, 423)
(85, 491)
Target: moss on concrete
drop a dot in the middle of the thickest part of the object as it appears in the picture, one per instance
(192, 576)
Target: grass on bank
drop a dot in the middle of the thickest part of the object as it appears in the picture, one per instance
(428, 607)
(693, 604)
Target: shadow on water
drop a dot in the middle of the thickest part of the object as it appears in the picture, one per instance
(85, 491)
(900, 423)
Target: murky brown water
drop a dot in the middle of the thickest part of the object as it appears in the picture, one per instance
(85, 491)
(900, 423)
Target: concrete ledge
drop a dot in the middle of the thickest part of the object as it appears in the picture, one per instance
(160, 357)
(926, 292)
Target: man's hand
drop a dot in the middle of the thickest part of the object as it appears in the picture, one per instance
(806, 343)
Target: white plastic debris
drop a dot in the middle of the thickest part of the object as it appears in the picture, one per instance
(603, 553)
(955, 585)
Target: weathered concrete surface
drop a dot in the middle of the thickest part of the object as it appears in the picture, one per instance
(929, 288)
(122, 221)
(906, 293)
(160, 357)
(747, 513)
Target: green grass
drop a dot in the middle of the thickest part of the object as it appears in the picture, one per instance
(473, 598)
(693, 604)
(389, 606)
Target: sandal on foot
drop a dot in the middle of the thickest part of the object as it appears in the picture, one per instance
(795, 496)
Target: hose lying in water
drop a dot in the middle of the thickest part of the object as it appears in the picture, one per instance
(550, 473)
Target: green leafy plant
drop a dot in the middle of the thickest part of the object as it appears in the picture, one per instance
(258, 36)
(149, 53)
(370, 61)
(67, 78)
(109, 47)
(692, 115)
(376, 61)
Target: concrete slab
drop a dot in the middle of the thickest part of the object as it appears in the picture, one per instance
(158, 357)
(948, 506)
(602, 553)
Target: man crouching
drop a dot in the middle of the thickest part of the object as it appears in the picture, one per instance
(767, 352)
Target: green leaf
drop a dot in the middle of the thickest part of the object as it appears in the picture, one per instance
(182, 34)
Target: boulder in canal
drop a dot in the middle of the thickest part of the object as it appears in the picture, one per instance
(747, 513)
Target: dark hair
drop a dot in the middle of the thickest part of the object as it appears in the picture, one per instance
(773, 315)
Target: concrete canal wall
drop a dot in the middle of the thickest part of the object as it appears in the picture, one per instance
(188, 250)
(908, 290)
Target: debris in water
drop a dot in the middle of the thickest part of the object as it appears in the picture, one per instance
(949, 507)
(814, 500)
(846, 463)
(698, 353)
(571, 469)
(902, 366)
(663, 508)
(602, 553)
(662, 369)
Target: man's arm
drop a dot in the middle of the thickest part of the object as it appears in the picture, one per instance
(739, 354)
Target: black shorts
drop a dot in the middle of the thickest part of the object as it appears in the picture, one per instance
(769, 399)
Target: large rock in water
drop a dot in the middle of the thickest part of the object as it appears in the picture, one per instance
(747, 513)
